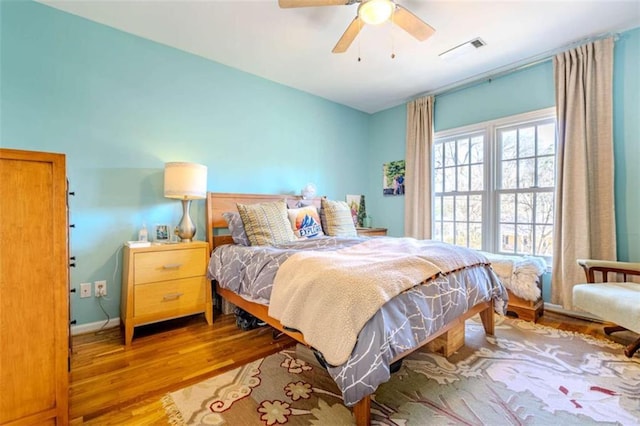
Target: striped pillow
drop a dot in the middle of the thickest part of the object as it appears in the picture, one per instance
(338, 221)
(266, 224)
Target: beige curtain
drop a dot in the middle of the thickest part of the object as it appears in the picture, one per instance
(417, 201)
(585, 211)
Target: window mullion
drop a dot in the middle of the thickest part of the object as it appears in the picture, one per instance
(490, 171)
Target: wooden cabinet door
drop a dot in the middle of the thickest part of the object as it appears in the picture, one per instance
(34, 296)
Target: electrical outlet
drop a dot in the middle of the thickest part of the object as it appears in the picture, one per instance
(101, 288)
(85, 290)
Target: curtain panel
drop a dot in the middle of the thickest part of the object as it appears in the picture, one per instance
(417, 201)
(584, 226)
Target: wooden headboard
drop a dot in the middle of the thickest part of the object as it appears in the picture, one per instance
(219, 203)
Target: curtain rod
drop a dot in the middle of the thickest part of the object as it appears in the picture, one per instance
(510, 68)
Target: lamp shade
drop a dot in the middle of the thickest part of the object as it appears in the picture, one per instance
(185, 181)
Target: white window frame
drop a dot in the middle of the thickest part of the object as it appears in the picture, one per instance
(490, 225)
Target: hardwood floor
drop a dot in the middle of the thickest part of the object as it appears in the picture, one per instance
(114, 385)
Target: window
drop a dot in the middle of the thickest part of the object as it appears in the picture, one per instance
(494, 185)
(459, 187)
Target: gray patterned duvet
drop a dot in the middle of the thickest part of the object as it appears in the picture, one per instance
(400, 325)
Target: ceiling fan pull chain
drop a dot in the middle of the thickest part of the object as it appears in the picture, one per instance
(359, 29)
(393, 47)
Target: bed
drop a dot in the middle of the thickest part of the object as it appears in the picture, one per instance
(431, 314)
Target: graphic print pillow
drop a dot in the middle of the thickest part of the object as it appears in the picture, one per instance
(305, 222)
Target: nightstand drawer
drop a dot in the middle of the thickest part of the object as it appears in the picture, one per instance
(168, 265)
(178, 295)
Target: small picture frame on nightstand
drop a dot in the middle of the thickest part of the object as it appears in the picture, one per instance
(162, 233)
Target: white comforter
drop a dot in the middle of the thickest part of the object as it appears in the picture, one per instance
(329, 296)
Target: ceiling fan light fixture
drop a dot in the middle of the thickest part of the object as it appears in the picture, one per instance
(374, 12)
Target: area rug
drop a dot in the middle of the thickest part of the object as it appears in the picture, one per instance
(526, 374)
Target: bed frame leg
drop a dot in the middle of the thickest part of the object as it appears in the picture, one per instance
(362, 411)
(487, 317)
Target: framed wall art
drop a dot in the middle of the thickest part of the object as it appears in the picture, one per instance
(354, 204)
(393, 178)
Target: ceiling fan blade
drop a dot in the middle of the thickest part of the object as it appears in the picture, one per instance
(349, 35)
(412, 24)
(285, 4)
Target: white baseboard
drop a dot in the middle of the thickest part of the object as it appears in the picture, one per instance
(115, 322)
(560, 310)
(94, 326)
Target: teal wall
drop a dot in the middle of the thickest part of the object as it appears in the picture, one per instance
(387, 143)
(626, 145)
(527, 90)
(120, 106)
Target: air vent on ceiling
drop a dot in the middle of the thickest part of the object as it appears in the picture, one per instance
(477, 42)
(463, 48)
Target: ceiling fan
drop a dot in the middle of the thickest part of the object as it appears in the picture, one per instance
(372, 12)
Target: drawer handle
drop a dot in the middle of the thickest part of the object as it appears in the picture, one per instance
(171, 296)
(172, 266)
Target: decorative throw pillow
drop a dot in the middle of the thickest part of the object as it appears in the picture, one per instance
(266, 224)
(234, 223)
(337, 219)
(305, 222)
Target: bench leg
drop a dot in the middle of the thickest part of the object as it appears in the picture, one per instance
(632, 348)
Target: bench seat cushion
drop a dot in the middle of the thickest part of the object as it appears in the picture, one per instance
(615, 302)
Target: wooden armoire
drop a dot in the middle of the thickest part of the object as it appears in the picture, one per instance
(34, 289)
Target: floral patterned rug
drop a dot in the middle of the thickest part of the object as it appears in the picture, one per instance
(526, 374)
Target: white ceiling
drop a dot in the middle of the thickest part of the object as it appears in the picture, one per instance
(293, 46)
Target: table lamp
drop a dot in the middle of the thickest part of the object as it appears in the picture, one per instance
(186, 182)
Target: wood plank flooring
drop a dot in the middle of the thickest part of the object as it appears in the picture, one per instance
(114, 385)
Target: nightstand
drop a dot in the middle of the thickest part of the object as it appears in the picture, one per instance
(371, 232)
(164, 281)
